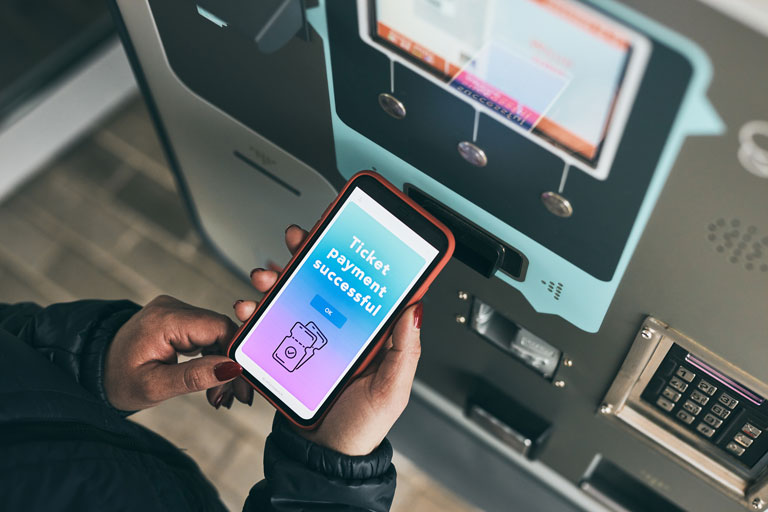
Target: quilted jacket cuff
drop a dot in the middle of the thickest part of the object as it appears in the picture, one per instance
(327, 461)
(95, 358)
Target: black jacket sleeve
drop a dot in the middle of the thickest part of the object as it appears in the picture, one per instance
(74, 336)
(303, 476)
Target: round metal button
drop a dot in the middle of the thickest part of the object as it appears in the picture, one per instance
(557, 204)
(391, 105)
(472, 154)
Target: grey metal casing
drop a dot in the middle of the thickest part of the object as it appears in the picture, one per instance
(676, 274)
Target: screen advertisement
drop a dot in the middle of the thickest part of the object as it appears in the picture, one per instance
(330, 309)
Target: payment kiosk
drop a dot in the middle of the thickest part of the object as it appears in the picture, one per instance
(600, 339)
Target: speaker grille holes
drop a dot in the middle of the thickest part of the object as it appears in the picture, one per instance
(742, 247)
(554, 288)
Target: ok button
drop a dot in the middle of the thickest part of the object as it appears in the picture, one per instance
(331, 313)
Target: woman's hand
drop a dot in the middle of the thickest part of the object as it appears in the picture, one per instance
(366, 410)
(142, 367)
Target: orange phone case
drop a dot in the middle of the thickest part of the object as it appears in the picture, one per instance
(377, 344)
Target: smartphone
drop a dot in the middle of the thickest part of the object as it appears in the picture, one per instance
(372, 254)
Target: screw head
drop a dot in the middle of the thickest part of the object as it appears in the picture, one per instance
(557, 204)
(472, 154)
(606, 409)
(758, 504)
(463, 295)
(567, 362)
(461, 319)
(559, 383)
(646, 333)
(391, 105)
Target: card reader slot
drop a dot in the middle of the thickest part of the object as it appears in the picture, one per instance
(475, 247)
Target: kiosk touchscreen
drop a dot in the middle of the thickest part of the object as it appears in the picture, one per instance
(557, 71)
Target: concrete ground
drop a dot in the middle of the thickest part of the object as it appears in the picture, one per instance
(105, 221)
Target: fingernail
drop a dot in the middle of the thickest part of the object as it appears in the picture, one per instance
(250, 401)
(217, 402)
(227, 371)
(256, 270)
(418, 313)
(238, 301)
(292, 226)
(230, 401)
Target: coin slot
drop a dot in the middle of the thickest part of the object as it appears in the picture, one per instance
(523, 345)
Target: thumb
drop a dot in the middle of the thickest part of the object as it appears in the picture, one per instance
(196, 375)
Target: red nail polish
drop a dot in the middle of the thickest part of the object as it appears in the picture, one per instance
(217, 402)
(255, 270)
(238, 301)
(227, 371)
(417, 315)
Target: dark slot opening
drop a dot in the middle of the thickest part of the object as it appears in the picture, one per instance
(520, 343)
(618, 490)
(508, 420)
(475, 247)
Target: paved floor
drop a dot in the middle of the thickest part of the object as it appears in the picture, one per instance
(104, 221)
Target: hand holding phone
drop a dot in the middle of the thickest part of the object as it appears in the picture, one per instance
(361, 418)
(370, 257)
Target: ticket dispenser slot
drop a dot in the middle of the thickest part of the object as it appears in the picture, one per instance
(618, 490)
(709, 415)
(475, 247)
(506, 419)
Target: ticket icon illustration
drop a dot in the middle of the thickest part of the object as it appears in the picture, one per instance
(299, 346)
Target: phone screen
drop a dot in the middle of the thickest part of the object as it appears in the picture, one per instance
(348, 284)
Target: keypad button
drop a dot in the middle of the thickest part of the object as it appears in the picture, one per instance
(707, 387)
(705, 430)
(665, 404)
(728, 401)
(752, 430)
(685, 374)
(685, 417)
(699, 397)
(721, 411)
(692, 407)
(671, 394)
(743, 439)
(735, 449)
(678, 384)
(713, 421)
